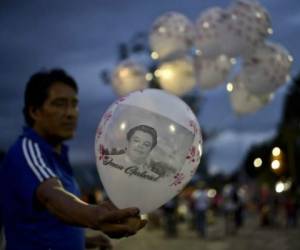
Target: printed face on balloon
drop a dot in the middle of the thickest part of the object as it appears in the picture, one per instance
(140, 141)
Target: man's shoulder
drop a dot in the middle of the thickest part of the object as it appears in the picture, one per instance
(20, 149)
(15, 148)
(12, 159)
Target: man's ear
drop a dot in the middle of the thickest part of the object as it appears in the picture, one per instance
(34, 113)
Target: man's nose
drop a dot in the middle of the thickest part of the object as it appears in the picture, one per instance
(71, 111)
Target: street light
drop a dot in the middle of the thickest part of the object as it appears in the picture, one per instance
(275, 164)
(279, 187)
(257, 162)
(276, 151)
(277, 160)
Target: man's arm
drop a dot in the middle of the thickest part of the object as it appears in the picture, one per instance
(69, 208)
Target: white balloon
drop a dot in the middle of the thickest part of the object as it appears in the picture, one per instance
(234, 32)
(267, 69)
(171, 33)
(247, 27)
(212, 72)
(148, 146)
(243, 102)
(254, 14)
(177, 76)
(129, 76)
(209, 29)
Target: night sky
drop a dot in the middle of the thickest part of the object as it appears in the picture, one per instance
(82, 37)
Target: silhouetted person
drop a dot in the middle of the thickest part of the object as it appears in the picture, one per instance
(170, 217)
(201, 205)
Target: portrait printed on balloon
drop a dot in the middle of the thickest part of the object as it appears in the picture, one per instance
(145, 145)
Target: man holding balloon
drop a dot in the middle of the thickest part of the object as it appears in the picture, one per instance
(38, 194)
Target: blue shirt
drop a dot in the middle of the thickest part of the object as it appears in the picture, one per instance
(28, 226)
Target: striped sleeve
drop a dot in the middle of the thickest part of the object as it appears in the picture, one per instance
(35, 161)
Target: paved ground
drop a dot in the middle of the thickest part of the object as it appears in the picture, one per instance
(250, 237)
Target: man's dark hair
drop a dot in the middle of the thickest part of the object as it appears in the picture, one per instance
(146, 129)
(38, 86)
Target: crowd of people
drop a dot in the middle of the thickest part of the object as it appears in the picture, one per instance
(229, 207)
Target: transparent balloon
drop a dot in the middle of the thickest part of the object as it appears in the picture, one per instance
(235, 31)
(243, 102)
(129, 76)
(148, 146)
(255, 15)
(177, 76)
(267, 69)
(171, 33)
(212, 72)
(247, 26)
(209, 29)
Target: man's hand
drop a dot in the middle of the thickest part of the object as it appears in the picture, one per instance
(117, 223)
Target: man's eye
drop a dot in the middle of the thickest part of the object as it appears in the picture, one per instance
(147, 144)
(75, 104)
(59, 103)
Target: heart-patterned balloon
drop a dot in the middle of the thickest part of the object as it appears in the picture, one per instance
(148, 146)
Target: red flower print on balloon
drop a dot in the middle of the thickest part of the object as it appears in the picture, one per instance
(178, 178)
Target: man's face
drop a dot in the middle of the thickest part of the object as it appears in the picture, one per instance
(139, 146)
(56, 119)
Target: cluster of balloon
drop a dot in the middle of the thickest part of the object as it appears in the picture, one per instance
(148, 143)
(148, 146)
(207, 51)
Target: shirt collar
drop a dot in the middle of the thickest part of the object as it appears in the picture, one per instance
(32, 134)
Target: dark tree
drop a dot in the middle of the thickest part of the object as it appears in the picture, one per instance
(287, 138)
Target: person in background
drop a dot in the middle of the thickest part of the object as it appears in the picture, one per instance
(170, 217)
(291, 207)
(39, 201)
(229, 208)
(201, 205)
